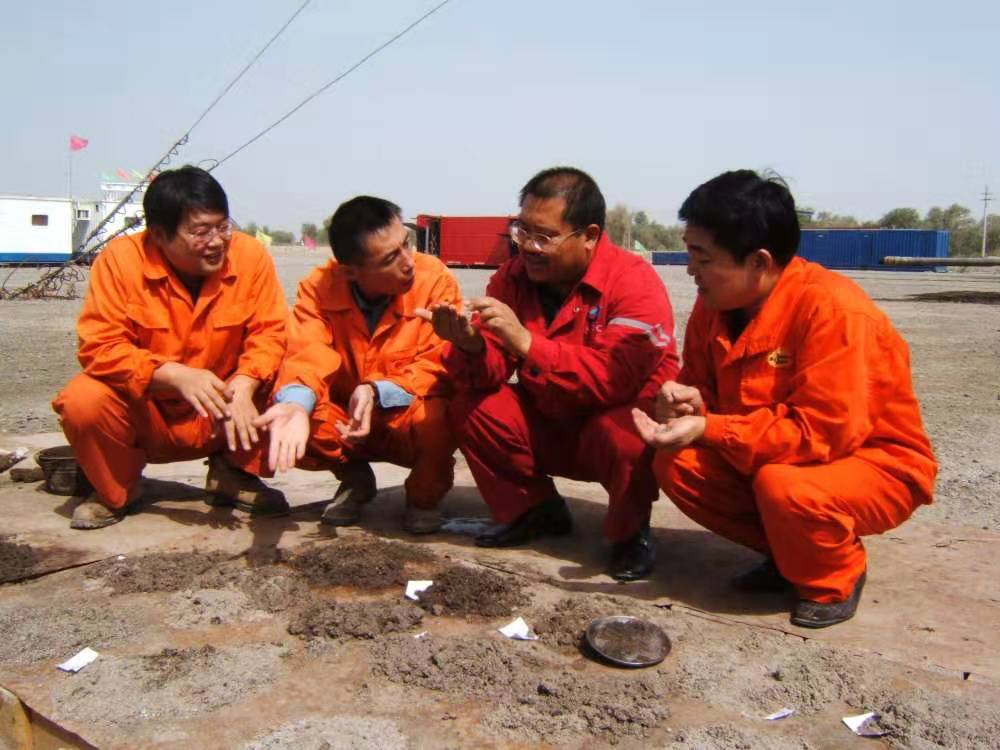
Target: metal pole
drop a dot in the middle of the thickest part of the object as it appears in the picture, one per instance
(69, 176)
(986, 217)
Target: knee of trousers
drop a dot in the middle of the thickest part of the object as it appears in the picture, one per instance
(432, 431)
(613, 433)
(87, 403)
(779, 490)
(473, 414)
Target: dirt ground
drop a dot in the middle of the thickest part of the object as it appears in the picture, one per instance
(216, 631)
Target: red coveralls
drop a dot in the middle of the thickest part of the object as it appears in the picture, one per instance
(813, 437)
(609, 348)
(137, 316)
(331, 351)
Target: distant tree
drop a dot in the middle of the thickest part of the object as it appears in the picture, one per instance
(828, 220)
(901, 218)
(617, 222)
(966, 232)
(640, 219)
(250, 228)
(281, 237)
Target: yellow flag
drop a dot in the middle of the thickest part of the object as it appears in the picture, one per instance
(264, 239)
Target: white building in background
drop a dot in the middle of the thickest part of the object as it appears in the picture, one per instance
(36, 229)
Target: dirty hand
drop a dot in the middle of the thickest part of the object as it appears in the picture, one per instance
(289, 428)
(201, 388)
(242, 412)
(452, 325)
(501, 320)
(678, 400)
(359, 410)
(674, 435)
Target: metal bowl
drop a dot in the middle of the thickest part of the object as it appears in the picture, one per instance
(627, 641)
(63, 475)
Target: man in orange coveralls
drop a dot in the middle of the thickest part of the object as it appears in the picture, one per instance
(589, 329)
(362, 380)
(181, 334)
(793, 428)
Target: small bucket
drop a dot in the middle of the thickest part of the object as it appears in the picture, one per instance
(63, 475)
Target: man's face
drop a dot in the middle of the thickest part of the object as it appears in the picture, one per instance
(555, 254)
(723, 282)
(199, 246)
(388, 267)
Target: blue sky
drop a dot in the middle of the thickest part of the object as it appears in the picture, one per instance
(862, 106)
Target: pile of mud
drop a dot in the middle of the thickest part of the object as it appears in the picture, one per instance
(159, 571)
(363, 563)
(17, 561)
(462, 590)
(562, 625)
(532, 697)
(363, 620)
(335, 733)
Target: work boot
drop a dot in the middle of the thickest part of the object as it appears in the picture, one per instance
(94, 514)
(634, 558)
(549, 518)
(809, 614)
(229, 486)
(357, 487)
(421, 520)
(762, 578)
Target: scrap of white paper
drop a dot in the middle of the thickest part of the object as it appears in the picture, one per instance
(784, 713)
(421, 636)
(467, 526)
(858, 725)
(413, 589)
(519, 631)
(78, 662)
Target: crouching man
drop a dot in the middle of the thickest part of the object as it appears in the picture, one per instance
(588, 328)
(793, 429)
(182, 331)
(363, 379)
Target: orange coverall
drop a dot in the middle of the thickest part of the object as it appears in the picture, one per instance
(813, 435)
(331, 352)
(137, 315)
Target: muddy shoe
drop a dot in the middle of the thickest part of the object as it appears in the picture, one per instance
(93, 514)
(357, 487)
(763, 577)
(421, 520)
(229, 486)
(810, 614)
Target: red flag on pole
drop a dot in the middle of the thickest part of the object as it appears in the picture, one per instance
(309, 242)
(76, 143)
(124, 175)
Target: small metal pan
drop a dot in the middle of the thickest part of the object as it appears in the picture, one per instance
(627, 641)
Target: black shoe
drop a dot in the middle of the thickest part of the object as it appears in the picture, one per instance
(763, 577)
(809, 614)
(633, 559)
(548, 518)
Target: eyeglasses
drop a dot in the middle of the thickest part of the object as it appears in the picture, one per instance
(202, 235)
(521, 237)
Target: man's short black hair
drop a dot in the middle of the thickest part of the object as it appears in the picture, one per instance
(744, 212)
(173, 194)
(584, 201)
(353, 221)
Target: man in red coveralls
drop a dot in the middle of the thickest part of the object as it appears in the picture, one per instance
(793, 429)
(588, 329)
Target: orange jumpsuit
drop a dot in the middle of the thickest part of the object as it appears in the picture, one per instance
(137, 315)
(331, 351)
(813, 435)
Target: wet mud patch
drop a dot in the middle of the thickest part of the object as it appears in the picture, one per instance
(532, 698)
(203, 608)
(173, 683)
(336, 733)
(976, 297)
(272, 588)
(17, 560)
(362, 563)
(463, 590)
(160, 571)
(42, 631)
(563, 624)
(363, 620)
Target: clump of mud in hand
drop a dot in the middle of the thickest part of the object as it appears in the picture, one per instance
(160, 571)
(355, 619)
(16, 560)
(360, 563)
(461, 590)
(534, 699)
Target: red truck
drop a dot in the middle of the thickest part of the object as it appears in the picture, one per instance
(466, 241)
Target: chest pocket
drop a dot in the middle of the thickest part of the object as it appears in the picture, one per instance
(229, 329)
(767, 377)
(151, 326)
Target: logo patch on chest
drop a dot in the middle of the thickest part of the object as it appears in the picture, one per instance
(779, 358)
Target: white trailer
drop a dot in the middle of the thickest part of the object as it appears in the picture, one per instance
(35, 229)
